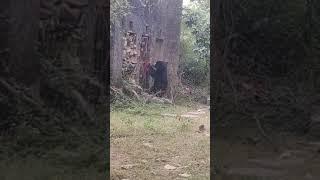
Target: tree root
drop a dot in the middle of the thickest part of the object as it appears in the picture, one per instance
(264, 134)
(15, 93)
(261, 130)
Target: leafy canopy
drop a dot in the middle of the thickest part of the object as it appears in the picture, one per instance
(195, 42)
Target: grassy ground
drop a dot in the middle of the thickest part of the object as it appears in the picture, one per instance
(52, 168)
(238, 158)
(143, 142)
(75, 154)
(59, 164)
(37, 169)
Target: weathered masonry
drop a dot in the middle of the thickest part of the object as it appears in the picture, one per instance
(75, 33)
(149, 33)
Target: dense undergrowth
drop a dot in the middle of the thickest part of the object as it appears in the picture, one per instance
(270, 60)
(63, 126)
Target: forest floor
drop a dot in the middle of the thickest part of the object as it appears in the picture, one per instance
(241, 154)
(160, 142)
(76, 154)
(61, 165)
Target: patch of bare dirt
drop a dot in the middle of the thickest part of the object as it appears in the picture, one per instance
(294, 161)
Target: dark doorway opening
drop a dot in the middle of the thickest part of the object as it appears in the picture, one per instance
(159, 74)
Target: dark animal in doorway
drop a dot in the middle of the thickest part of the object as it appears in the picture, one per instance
(159, 74)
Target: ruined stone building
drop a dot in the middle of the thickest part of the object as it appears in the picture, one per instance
(149, 32)
(74, 34)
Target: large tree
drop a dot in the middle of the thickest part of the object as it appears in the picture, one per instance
(217, 44)
(24, 61)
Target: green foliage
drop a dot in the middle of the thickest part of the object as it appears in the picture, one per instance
(197, 19)
(275, 43)
(185, 126)
(271, 37)
(149, 124)
(195, 43)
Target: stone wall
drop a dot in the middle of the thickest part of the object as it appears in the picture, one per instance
(74, 32)
(161, 18)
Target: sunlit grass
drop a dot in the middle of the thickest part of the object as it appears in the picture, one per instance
(171, 138)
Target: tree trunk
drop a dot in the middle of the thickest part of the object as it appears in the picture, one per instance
(4, 6)
(217, 60)
(171, 54)
(116, 55)
(4, 29)
(24, 25)
(218, 46)
(101, 44)
(87, 49)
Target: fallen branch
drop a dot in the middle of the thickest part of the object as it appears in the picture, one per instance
(16, 93)
(85, 107)
(261, 130)
(264, 134)
(130, 92)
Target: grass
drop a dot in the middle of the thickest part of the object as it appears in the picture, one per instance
(33, 168)
(147, 141)
(77, 153)
(171, 142)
